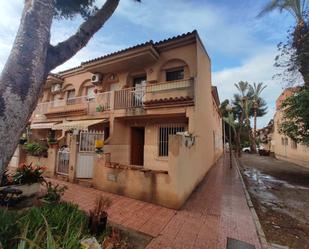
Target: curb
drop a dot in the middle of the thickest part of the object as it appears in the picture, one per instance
(256, 220)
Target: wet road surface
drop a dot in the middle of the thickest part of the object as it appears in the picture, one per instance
(280, 193)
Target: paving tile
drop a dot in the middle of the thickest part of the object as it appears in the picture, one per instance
(217, 209)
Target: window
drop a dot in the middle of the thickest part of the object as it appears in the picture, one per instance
(90, 93)
(175, 75)
(293, 144)
(164, 132)
(286, 141)
(282, 141)
(71, 97)
(139, 81)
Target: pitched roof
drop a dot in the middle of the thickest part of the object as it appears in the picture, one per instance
(148, 43)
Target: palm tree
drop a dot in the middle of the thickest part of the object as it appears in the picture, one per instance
(255, 93)
(242, 105)
(242, 87)
(300, 36)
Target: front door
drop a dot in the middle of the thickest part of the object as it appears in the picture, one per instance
(137, 145)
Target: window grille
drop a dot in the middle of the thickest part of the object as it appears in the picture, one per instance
(172, 75)
(164, 132)
(87, 140)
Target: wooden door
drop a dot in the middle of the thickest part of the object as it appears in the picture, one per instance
(137, 145)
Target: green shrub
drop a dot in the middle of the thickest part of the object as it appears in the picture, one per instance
(36, 149)
(9, 228)
(53, 193)
(28, 174)
(49, 226)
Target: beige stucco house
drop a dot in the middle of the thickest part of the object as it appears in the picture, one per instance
(284, 147)
(156, 110)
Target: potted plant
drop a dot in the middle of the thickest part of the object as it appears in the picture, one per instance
(98, 216)
(51, 139)
(99, 108)
(99, 146)
(27, 178)
(36, 149)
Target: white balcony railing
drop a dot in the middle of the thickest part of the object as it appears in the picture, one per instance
(129, 98)
(103, 100)
(45, 107)
(121, 99)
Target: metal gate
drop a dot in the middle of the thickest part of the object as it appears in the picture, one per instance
(86, 153)
(63, 160)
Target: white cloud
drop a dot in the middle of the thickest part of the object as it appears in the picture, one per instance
(229, 32)
(231, 35)
(258, 68)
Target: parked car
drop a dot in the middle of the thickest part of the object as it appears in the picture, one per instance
(248, 149)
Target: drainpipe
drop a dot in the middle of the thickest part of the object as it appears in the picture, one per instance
(62, 136)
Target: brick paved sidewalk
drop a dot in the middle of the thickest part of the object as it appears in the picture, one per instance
(217, 209)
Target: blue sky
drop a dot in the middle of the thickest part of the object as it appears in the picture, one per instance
(241, 46)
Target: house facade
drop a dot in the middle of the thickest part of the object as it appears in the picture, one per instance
(284, 147)
(154, 107)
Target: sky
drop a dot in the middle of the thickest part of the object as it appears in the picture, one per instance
(241, 46)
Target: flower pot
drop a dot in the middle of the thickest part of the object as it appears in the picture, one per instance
(27, 189)
(97, 225)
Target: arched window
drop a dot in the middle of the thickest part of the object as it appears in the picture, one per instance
(174, 69)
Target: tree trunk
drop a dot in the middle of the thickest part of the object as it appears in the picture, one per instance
(253, 142)
(23, 74)
(31, 59)
(238, 140)
(238, 143)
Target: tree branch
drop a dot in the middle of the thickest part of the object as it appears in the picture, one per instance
(65, 50)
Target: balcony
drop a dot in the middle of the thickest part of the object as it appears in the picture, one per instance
(180, 92)
(176, 93)
(73, 107)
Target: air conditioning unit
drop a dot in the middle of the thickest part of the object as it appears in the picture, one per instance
(56, 88)
(96, 78)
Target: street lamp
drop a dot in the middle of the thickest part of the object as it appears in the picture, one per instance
(229, 109)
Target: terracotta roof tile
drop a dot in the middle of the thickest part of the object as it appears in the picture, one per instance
(131, 48)
(168, 100)
(118, 52)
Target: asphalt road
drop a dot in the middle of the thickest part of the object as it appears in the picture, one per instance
(280, 193)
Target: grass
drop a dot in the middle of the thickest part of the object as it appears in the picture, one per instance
(49, 226)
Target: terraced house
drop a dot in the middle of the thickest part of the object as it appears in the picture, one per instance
(156, 110)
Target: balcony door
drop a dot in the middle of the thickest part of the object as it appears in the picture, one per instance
(137, 145)
(71, 97)
(139, 84)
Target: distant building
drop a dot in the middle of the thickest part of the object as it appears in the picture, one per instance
(284, 147)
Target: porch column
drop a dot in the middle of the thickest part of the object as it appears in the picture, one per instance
(73, 157)
(112, 100)
(52, 160)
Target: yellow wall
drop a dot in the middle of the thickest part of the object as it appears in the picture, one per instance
(186, 166)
